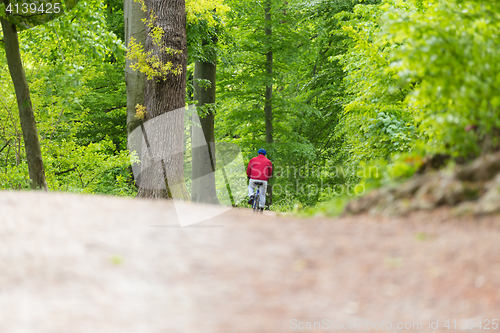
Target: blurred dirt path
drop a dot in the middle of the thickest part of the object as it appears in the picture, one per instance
(71, 264)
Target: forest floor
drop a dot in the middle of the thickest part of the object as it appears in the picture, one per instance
(75, 263)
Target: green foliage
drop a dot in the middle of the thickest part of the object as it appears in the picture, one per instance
(308, 97)
(205, 27)
(16, 178)
(73, 39)
(402, 79)
(389, 134)
(208, 11)
(332, 208)
(150, 62)
(450, 48)
(433, 76)
(420, 78)
(114, 17)
(363, 91)
(74, 67)
(87, 168)
(376, 122)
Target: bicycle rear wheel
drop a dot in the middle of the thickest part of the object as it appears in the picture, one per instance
(255, 205)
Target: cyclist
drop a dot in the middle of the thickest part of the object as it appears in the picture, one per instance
(259, 169)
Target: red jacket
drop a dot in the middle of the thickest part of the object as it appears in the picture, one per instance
(260, 168)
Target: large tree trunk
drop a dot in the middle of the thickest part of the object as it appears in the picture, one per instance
(26, 115)
(166, 94)
(203, 174)
(135, 80)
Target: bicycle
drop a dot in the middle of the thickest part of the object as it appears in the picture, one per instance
(256, 197)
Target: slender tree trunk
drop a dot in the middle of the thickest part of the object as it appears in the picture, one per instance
(166, 94)
(203, 175)
(268, 108)
(134, 80)
(26, 115)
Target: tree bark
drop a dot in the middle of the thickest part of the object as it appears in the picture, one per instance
(203, 174)
(166, 94)
(268, 108)
(26, 115)
(134, 80)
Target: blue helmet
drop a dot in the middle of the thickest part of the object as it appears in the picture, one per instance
(262, 151)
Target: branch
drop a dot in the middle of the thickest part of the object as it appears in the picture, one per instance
(8, 142)
(65, 171)
(118, 107)
(100, 87)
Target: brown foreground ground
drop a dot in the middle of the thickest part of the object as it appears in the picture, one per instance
(71, 264)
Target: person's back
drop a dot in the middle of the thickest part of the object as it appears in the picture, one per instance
(259, 170)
